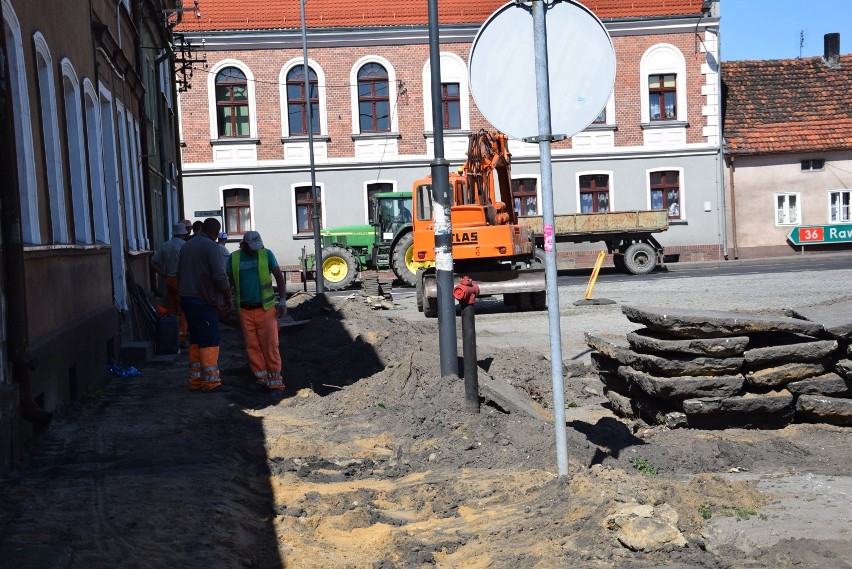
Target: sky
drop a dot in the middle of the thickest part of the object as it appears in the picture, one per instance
(763, 29)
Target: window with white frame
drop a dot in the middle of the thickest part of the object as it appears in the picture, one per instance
(95, 162)
(303, 205)
(50, 139)
(373, 98)
(813, 165)
(237, 210)
(129, 201)
(76, 153)
(663, 72)
(23, 129)
(787, 209)
(298, 100)
(838, 204)
(233, 114)
(665, 192)
(454, 93)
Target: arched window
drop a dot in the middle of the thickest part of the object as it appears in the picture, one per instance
(232, 104)
(373, 98)
(297, 101)
(76, 153)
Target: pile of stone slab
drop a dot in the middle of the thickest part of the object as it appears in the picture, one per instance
(712, 369)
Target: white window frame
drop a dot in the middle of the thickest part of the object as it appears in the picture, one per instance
(126, 174)
(663, 59)
(367, 195)
(392, 94)
(76, 153)
(138, 182)
(453, 70)
(609, 173)
(832, 210)
(321, 94)
(27, 184)
(323, 206)
(52, 147)
(775, 208)
(112, 185)
(681, 181)
(223, 189)
(211, 98)
(94, 147)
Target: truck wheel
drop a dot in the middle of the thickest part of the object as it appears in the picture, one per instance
(640, 259)
(402, 261)
(419, 290)
(618, 262)
(338, 268)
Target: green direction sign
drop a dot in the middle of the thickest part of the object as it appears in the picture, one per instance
(818, 234)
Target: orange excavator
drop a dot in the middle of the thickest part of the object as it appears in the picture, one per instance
(488, 244)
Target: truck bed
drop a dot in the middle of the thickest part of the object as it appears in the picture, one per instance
(581, 227)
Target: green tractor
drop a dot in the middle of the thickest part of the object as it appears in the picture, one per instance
(385, 243)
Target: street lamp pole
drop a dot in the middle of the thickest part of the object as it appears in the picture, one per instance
(320, 285)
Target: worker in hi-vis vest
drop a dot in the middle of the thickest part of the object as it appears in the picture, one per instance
(251, 269)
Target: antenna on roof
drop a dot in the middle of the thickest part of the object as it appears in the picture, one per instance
(801, 42)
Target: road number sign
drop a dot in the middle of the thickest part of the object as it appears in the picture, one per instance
(821, 234)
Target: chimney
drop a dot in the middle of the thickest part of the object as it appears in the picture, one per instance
(832, 49)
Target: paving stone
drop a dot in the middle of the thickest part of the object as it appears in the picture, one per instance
(679, 388)
(822, 409)
(835, 317)
(788, 353)
(829, 384)
(687, 323)
(784, 374)
(653, 412)
(668, 366)
(844, 368)
(650, 342)
(772, 402)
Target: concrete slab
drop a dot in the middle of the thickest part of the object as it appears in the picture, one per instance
(511, 399)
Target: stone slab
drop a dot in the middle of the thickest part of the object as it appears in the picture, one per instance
(835, 317)
(679, 388)
(784, 374)
(822, 409)
(650, 342)
(844, 368)
(772, 402)
(644, 408)
(666, 367)
(829, 384)
(759, 420)
(687, 323)
(790, 353)
(511, 399)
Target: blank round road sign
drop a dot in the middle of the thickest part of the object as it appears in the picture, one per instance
(581, 69)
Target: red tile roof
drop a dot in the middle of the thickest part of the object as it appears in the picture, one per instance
(283, 14)
(787, 105)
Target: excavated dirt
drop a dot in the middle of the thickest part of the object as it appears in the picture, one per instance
(369, 459)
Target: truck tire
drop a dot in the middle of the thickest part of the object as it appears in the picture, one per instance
(419, 290)
(618, 262)
(640, 258)
(401, 260)
(339, 268)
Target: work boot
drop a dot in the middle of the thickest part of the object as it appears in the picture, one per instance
(274, 381)
(209, 368)
(261, 377)
(194, 367)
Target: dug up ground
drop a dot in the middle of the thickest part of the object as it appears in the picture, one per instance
(369, 460)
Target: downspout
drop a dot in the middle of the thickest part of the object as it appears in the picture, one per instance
(734, 211)
(721, 174)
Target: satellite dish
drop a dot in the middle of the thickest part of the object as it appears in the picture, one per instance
(581, 69)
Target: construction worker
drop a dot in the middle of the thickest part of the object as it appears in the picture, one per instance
(249, 269)
(203, 287)
(165, 263)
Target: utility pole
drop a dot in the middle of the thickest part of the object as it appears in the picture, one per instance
(320, 285)
(440, 167)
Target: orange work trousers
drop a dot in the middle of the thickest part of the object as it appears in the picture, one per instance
(260, 332)
(173, 305)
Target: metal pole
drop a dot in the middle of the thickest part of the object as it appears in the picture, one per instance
(544, 138)
(449, 352)
(320, 285)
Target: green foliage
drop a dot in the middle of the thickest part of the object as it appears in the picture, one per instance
(382, 405)
(643, 466)
(705, 512)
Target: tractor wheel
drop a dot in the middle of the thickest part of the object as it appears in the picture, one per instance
(402, 261)
(339, 268)
(430, 307)
(640, 259)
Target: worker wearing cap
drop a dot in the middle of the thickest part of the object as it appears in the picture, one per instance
(251, 269)
(165, 263)
(223, 238)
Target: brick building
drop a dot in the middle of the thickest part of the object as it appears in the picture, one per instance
(245, 144)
